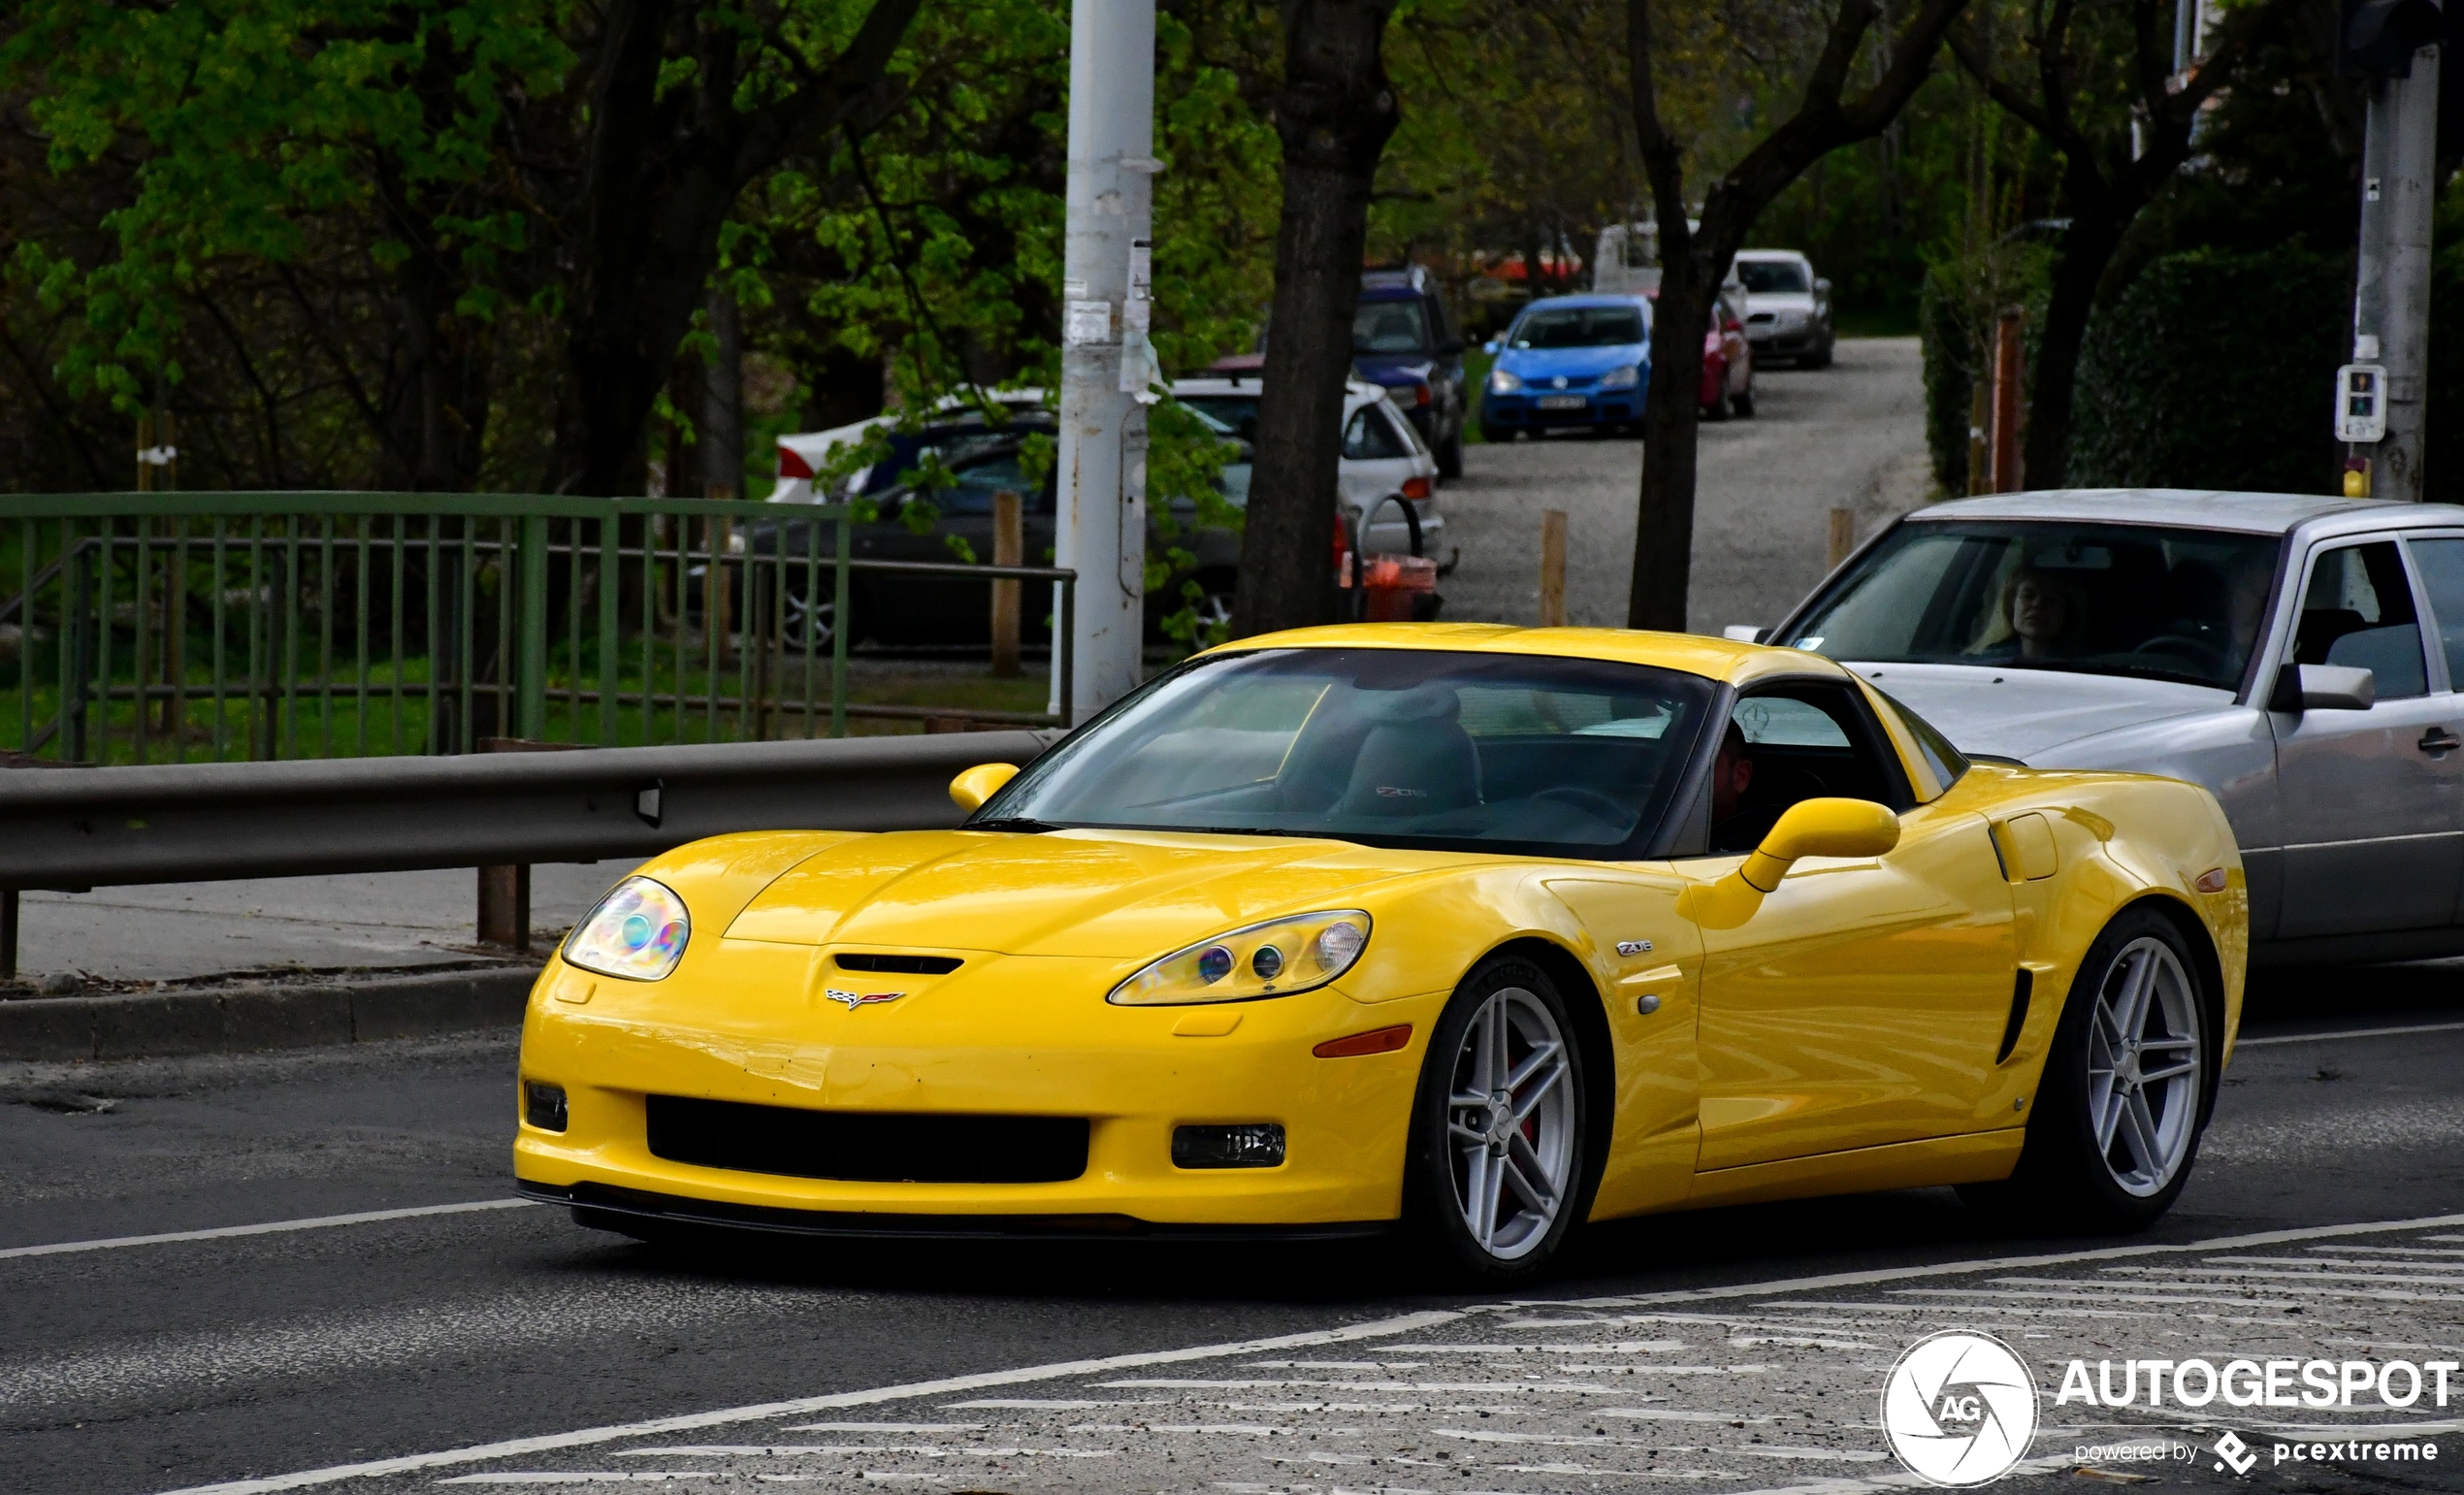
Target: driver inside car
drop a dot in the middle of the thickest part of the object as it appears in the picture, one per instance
(2043, 616)
(1736, 829)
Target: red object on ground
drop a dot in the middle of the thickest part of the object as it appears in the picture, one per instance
(1389, 583)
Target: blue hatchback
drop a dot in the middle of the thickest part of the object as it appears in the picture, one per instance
(1569, 361)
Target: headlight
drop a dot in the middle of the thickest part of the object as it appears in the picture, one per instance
(637, 932)
(1274, 958)
(1501, 382)
(1621, 378)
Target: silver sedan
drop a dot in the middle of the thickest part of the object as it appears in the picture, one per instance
(2301, 657)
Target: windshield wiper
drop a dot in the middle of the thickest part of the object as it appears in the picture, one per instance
(1025, 824)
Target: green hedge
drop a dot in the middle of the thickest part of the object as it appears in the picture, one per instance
(2217, 370)
(1955, 324)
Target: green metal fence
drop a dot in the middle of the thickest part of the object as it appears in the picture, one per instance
(197, 626)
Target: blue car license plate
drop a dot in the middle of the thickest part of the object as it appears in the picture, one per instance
(1562, 401)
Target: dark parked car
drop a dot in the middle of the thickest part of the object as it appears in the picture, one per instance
(893, 609)
(1403, 338)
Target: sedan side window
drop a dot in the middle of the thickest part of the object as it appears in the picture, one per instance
(2358, 612)
(1368, 438)
(2441, 565)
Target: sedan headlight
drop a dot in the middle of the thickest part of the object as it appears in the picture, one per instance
(1621, 378)
(637, 932)
(1504, 382)
(1275, 958)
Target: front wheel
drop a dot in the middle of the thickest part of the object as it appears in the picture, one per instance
(1449, 455)
(2126, 1088)
(1501, 1163)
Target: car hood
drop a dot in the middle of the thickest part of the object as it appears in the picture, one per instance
(2033, 714)
(1109, 895)
(1536, 363)
(1780, 301)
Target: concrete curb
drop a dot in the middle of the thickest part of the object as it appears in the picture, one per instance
(244, 1019)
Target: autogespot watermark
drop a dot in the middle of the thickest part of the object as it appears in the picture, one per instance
(1961, 1408)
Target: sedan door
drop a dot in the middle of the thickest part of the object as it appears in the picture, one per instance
(2373, 835)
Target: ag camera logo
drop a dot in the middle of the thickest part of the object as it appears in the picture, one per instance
(1959, 1409)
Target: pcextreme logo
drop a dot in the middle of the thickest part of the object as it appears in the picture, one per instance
(1959, 1409)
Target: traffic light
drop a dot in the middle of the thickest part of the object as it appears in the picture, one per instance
(2379, 37)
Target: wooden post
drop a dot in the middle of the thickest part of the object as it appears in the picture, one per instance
(504, 892)
(1843, 536)
(1009, 548)
(1980, 414)
(718, 598)
(1552, 596)
(144, 451)
(8, 909)
(2007, 404)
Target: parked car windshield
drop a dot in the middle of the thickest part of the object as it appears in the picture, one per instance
(1390, 327)
(1767, 277)
(1391, 747)
(1579, 327)
(2122, 600)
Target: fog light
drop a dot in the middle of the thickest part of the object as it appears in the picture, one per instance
(1256, 1145)
(544, 1105)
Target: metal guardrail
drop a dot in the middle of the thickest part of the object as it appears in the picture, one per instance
(175, 628)
(89, 828)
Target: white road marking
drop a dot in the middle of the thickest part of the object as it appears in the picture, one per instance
(515, 1448)
(480, 1453)
(2354, 1032)
(271, 1227)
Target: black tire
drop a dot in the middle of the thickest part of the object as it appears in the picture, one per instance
(1718, 410)
(2067, 1181)
(1523, 1245)
(1744, 403)
(1449, 455)
(1818, 359)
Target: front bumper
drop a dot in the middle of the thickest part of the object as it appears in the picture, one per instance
(1008, 1036)
(1523, 410)
(1784, 342)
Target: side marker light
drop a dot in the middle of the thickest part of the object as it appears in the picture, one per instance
(2210, 881)
(1382, 1040)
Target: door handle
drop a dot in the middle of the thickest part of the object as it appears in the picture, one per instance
(2437, 741)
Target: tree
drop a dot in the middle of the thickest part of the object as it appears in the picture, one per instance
(689, 104)
(1333, 113)
(2103, 93)
(1694, 260)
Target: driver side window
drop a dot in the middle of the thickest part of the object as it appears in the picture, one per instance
(1790, 743)
(2358, 611)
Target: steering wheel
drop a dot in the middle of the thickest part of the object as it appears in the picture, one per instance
(2197, 650)
(1590, 800)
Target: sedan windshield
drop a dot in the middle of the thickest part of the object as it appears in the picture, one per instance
(1767, 277)
(1391, 747)
(2096, 599)
(1579, 327)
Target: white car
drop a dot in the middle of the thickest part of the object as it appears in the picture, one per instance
(1787, 307)
(1383, 456)
(804, 453)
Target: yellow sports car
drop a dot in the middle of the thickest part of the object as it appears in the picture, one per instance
(1476, 930)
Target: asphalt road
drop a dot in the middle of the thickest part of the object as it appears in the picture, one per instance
(1850, 436)
(175, 1364)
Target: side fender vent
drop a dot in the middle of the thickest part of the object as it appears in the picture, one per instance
(2021, 988)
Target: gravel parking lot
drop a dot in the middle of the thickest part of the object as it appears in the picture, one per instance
(1850, 435)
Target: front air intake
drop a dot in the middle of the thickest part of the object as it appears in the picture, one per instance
(900, 965)
(867, 1146)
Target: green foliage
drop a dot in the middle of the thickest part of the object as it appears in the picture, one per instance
(1956, 320)
(2213, 370)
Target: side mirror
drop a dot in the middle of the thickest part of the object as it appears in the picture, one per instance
(969, 789)
(1811, 828)
(1822, 287)
(2303, 688)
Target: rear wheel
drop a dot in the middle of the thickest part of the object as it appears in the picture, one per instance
(2126, 1088)
(1500, 1166)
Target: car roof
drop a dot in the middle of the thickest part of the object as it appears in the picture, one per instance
(1356, 392)
(1589, 299)
(2247, 514)
(1394, 283)
(1714, 659)
(1772, 254)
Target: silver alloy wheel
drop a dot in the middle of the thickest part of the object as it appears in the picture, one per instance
(1510, 1123)
(2143, 1059)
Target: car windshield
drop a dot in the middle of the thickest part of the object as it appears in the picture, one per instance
(1391, 747)
(2095, 599)
(1764, 277)
(1390, 327)
(1579, 327)
(1237, 414)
